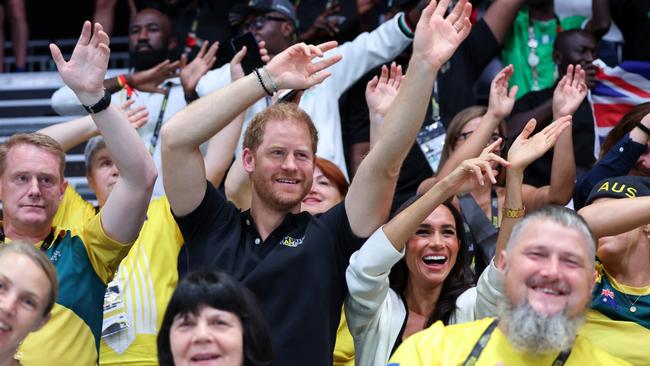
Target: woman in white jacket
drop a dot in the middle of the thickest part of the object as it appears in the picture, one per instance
(382, 312)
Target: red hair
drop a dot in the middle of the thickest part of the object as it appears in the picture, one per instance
(334, 174)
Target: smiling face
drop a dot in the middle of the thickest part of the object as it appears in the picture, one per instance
(31, 187)
(282, 166)
(431, 253)
(322, 196)
(550, 267)
(211, 337)
(24, 294)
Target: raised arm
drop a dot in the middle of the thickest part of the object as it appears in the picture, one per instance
(193, 72)
(500, 16)
(524, 151)
(380, 94)
(567, 97)
(466, 177)
(500, 105)
(608, 217)
(436, 38)
(601, 18)
(183, 166)
(72, 133)
(124, 212)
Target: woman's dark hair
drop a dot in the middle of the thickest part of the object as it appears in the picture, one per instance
(626, 124)
(460, 277)
(220, 291)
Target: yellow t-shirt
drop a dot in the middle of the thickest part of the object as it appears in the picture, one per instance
(147, 278)
(85, 259)
(450, 345)
(344, 347)
(611, 324)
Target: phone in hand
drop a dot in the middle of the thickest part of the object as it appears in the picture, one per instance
(253, 59)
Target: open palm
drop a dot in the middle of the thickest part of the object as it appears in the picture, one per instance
(527, 149)
(293, 68)
(85, 71)
(570, 91)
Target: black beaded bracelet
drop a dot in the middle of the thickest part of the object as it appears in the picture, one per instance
(259, 77)
(643, 128)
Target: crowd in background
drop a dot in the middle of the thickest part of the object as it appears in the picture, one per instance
(369, 182)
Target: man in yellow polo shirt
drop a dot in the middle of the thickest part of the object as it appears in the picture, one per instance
(85, 257)
(548, 277)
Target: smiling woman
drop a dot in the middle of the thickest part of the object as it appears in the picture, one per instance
(215, 320)
(28, 289)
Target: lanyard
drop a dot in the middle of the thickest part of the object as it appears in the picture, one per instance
(47, 243)
(156, 130)
(495, 208)
(474, 355)
(192, 40)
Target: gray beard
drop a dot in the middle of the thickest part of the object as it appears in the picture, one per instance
(538, 334)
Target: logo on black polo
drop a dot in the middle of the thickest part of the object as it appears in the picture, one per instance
(291, 242)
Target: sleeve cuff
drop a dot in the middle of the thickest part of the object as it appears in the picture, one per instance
(407, 29)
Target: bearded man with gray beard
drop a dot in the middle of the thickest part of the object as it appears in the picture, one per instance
(540, 287)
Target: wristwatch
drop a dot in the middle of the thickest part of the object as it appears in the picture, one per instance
(100, 105)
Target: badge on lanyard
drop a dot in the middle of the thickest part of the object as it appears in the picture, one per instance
(114, 312)
(431, 138)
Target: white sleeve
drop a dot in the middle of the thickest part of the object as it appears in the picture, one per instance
(489, 289)
(65, 103)
(365, 52)
(213, 80)
(367, 279)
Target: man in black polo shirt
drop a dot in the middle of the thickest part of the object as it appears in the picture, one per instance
(295, 263)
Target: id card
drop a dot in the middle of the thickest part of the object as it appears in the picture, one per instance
(114, 312)
(431, 139)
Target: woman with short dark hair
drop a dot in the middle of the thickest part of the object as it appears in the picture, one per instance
(213, 317)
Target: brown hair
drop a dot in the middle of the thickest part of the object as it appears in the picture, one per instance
(627, 123)
(334, 174)
(36, 139)
(38, 257)
(457, 123)
(282, 112)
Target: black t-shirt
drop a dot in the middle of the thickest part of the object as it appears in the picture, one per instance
(297, 273)
(633, 19)
(538, 172)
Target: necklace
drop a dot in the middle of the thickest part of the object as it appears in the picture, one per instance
(533, 58)
(632, 307)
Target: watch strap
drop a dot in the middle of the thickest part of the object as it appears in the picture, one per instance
(100, 105)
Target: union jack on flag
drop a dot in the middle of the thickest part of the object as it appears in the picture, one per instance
(618, 89)
(607, 293)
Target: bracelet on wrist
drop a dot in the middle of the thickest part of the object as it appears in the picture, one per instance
(259, 77)
(102, 104)
(514, 213)
(121, 81)
(643, 128)
(274, 86)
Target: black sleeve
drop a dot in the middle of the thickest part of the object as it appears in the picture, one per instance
(347, 243)
(479, 48)
(199, 228)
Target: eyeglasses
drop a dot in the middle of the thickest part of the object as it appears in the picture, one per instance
(259, 22)
(463, 136)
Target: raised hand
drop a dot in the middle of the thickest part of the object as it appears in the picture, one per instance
(293, 67)
(236, 69)
(501, 101)
(191, 73)
(149, 80)
(527, 149)
(436, 37)
(84, 72)
(569, 92)
(472, 173)
(138, 116)
(381, 91)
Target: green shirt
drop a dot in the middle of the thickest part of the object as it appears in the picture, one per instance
(515, 50)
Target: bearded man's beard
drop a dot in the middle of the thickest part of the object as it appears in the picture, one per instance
(146, 59)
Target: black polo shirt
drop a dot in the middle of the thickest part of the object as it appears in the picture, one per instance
(297, 273)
